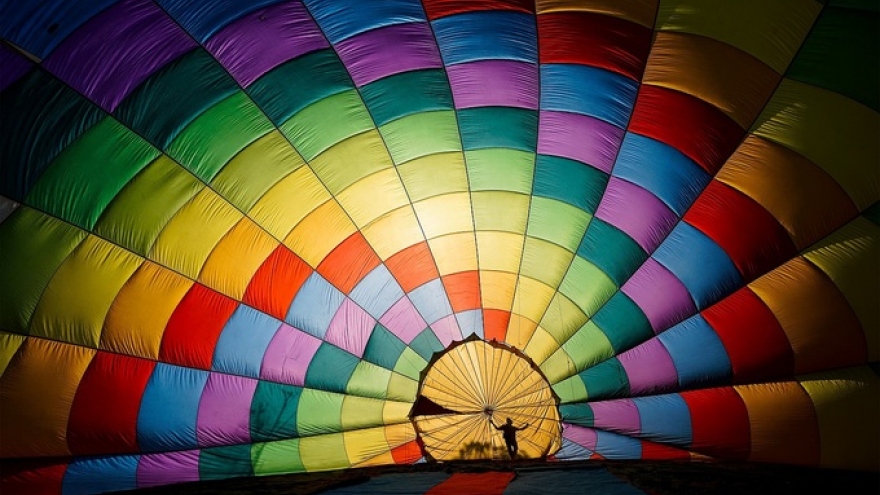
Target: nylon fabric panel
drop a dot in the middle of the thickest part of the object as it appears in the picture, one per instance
(327, 122)
(371, 197)
(9, 345)
(287, 202)
(350, 160)
(546, 223)
(434, 175)
(348, 263)
(403, 223)
(638, 11)
(497, 289)
(244, 247)
(447, 214)
(276, 282)
(720, 422)
(502, 211)
(421, 134)
(167, 418)
(554, 259)
(587, 285)
(449, 250)
(194, 327)
(425, 90)
(321, 230)
(531, 308)
(443, 8)
(500, 169)
(27, 26)
(342, 21)
(202, 21)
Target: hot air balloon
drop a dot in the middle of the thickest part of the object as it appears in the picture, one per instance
(242, 239)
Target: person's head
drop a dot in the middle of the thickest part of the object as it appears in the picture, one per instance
(509, 421)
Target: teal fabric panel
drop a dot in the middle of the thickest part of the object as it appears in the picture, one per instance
(498, 127)
(623, 322)
(330, 369)
(569, 181)
(273, 411)
(407, 93)
(616, 253)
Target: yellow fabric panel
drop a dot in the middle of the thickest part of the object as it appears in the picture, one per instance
(816, 318)
(519, 331)
(545, 261)
(726, 77)
(399, 434)
(496, 289)
(384, 458)
(592, 344)
(587, 285)
(393, 232)
(541, 346)
(849, 257)
(276, 457)
(770, 31)
(373, 196)
(361, 445)
(531, 298)
(500, 210)
(401, 388)
(454, 253)
(38, 388)
(782, 422)
(360, 412)
(394, 412)
(500, 169)
(236, 258)
(446, 214)
(323, 452)
(809, 211)
(75, 303)
(350, 160)
(188, 239)
(433, 175)
(831, 130)
(847, 408)
(638, 11)
(558, 366)
(319, 232)
(499, 251)
(9, 344)
(289, 201)
(563, 317)
(138, 316)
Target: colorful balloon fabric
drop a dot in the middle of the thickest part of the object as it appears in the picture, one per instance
(237, 237)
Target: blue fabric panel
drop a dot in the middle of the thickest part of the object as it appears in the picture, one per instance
(584, 480)
(614, 446)
(571, 451)
(701, 265)
(243, 342)
(486, 35)
(662, 170)
(342, 19)
(100, 474)
(39, 27)
(589, 91)
(431, 301)
(665, 418)
(314, 306)
(377, 292)
(470, 322)
(393, 484)
(202, 19)
(697, 353)
(169, 408)
(569, 181)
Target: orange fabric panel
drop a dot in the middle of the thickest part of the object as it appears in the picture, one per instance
(276, 282)
(491, 483)
(407, 453)
(349, 262)
(495, 324)
(413, 266)
(784, 426)
(463, 289)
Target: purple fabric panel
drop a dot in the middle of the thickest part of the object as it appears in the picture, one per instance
(621, 416)
(390, 50)
(111, 54)
(263, 40)
(585, 437)
(649, 368)
(446, 329)
(288, 356)
(579, 137)
(489, 83)
(403, 320)
(637, 212)
(224, 411)
(660, 294)
(12, 66)
(350, 328)
(168, 468)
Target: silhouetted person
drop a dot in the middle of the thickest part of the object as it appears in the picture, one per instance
(509, 432)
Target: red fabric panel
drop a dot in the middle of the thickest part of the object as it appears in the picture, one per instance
(276, 282)
(349, 262)
(413, 266)
(659, 451)
(495, 324)
(597, 40)
(755, 342)
(490, 483)
(719, 423)
(194, 328)
(103, 418)
(31, 477)
(407, 453)
(442, 8)
(696, 128)
(750, 235)
(463, 289)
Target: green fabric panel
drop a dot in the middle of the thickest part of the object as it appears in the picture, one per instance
(570, 390)
(83, 180)
(577, 414)
(841, 54)
(231, 461)
(396, 96)
(570, 181)
(421, 134)
(330, 369)
(623, 322)
(557, 222)
(544, 261)
(606, 380)
(588, 346)
(401, 388)
(34, 245)
(873, 213)
(210, 141)
(361, 412)
(501, 211)
(587, 285)
(294, 85)
(324, 453)
(145, 205)
(410, 364)
(369, 380)
(39, 118)
(383, 348)
(281, 457)
(273, 411)
(499, 127)
(327, 122)
(614, 252)
(174, 96)
(426, 344)
(500, 169)
(318, 412)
